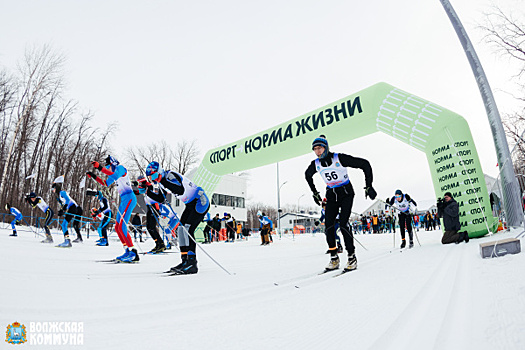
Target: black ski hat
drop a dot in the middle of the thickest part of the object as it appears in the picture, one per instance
(398, 192)
(323, 142)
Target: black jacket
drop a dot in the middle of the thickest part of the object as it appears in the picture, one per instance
(450, 215)
(346, 161)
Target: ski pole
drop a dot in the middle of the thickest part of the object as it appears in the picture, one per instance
(360, 243)
(198, 245)
(30, 228)
(415, 233)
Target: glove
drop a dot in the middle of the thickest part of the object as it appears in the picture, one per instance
(91, 174)
(370, 192)
(60, 212)
(317, 198)
(135, 183)
(97, 165)
(316, 223)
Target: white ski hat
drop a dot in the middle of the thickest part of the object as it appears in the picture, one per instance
(59, 180)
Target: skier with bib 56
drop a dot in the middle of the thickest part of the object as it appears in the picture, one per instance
(339, 195)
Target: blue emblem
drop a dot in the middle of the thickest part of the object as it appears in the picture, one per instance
(16, 333)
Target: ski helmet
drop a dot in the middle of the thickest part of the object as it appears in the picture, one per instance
(259, 213)
(111, 162)
(153, 171)
(323, 142)
(7, 207)
(32, 195)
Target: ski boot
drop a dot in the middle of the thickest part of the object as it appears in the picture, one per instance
(190, 267)
(98, 240)
(159, 248)
(123, 256)
(411, 245)
(339, 248)
(14, 234)
(466, 237)
(132, 256)
(78, 240)
(351, 264)
(403, 243)
(49, 239)
(333, 264)
(102, 242)
(179, 266)
(65, 244)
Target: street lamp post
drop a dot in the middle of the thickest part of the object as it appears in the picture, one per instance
(279, 202)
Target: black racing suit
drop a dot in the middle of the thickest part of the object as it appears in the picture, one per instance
(405, 219)
(190, 216)
(340, 199)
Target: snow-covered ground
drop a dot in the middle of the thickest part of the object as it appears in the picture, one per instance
(430, 297)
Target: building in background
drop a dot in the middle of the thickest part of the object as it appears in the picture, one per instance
(229, 197)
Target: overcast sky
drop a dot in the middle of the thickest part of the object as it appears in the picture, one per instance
(218, 71)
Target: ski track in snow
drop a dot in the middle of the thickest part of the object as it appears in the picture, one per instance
(428, 297)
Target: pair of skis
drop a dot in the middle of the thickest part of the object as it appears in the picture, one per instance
(116, 261)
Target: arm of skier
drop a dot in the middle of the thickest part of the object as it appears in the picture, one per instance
(410, 199)
(159, 197)
(364, 165)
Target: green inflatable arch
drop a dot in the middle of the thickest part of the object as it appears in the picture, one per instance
(442, 135)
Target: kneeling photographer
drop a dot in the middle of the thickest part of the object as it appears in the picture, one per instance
(448, 209)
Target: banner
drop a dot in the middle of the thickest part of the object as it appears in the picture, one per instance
(442, 135)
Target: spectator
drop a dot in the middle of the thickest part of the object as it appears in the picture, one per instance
(448, 209)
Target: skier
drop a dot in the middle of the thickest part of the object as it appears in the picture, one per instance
(321, 219)
(339, 194)
(265, 227)
(197, 205)
(16, 221)
(71, 209)
(230, 229)
(104, 214)
(152, 215)
(35, 201)
(402, 202)
(207, 229)
(118, 174)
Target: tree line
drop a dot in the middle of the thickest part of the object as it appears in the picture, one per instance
(44, 134)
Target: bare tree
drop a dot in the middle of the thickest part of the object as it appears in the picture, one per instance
(42, 134)
(180, 159)
(505, 32)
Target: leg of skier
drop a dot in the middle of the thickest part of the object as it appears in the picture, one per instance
(151, 226)
(402, 229)
(47, 221)
(190, 219)
(346, 231)
(332, 209)
(409, 229)
(76, 222)
(127, 204)
(65, 223)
